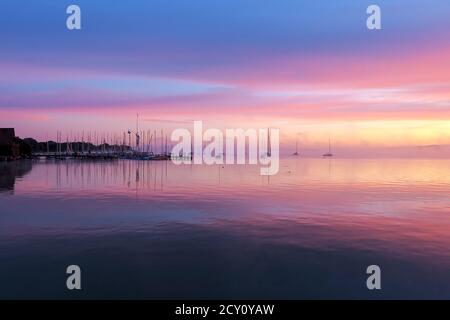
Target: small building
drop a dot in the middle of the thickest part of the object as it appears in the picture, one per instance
(9, 148)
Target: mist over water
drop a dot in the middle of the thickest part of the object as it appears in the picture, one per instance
(148, 229)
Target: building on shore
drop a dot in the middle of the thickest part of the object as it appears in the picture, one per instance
(12, 147)
(8, 148)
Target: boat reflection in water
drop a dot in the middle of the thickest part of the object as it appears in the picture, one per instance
(152, 229)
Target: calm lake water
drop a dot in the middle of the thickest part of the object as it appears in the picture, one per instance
(156, 230)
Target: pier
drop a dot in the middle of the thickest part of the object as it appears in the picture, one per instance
(100, 156)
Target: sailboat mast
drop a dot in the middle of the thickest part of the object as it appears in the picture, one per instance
(137, 132)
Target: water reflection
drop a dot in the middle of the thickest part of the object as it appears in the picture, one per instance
(156, 230)
(10, 171)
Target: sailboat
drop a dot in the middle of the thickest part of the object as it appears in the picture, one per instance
(328, 154)
(268, 153)
(296, 149)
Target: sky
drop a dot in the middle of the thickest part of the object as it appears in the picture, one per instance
(310, 68)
